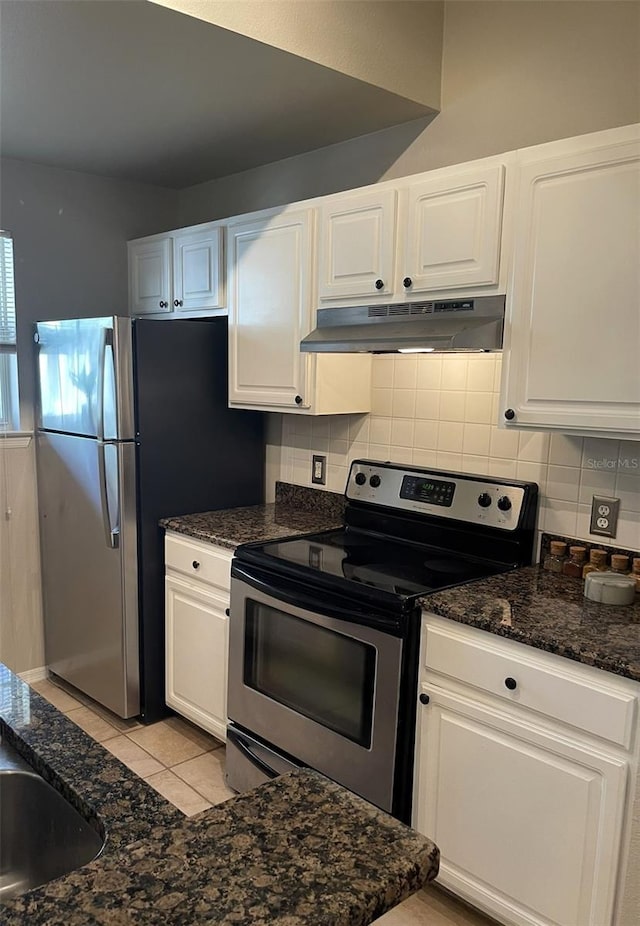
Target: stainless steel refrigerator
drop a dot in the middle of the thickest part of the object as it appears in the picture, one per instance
(133, 426)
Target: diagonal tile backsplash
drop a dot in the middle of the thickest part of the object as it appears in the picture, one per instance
(440, 411)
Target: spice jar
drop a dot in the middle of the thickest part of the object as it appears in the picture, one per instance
(554, 561)
(635, 572)
(620, 563)
(597, 561)
(574, 565)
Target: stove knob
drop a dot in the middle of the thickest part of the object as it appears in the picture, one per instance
(484, 500)
(360, 479)
(504, 503)
(374, 482)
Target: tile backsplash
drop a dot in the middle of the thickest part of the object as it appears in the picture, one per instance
(439, 411)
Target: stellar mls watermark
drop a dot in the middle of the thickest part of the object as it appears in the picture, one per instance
(621, 464)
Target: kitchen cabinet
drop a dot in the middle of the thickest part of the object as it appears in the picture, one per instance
(271, 286)
(440, 233)
(573, 310)
(197, 597)
(356, 246)
(180, 272)
(524, 767)
(453, 229)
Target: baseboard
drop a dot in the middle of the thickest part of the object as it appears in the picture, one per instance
(34, 675)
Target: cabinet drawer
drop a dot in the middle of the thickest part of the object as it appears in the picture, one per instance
(587, 703)
(201, 561)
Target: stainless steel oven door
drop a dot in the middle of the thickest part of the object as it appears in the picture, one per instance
(316, 685)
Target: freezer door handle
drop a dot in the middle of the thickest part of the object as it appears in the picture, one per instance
(112, 533)
(106, 343)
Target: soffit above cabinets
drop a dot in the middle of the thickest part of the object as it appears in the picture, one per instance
(140, 92)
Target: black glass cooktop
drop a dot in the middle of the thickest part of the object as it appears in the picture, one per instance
(389, 566)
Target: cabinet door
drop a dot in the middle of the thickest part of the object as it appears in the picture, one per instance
(269, 310)
(196, 635)
(528, 826)
(356, 247)
(573, 337)
(150, 276)
(453, 228)
(197, 269)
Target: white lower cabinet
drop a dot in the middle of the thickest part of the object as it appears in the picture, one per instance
(529, 812)
(197, 599)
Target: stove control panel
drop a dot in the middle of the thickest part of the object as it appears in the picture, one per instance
(472, 499)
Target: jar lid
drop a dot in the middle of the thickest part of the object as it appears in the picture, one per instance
(619, 561)
(598, 556)
(610, 588)
(636, 563)
(578, 551)
(558, 547)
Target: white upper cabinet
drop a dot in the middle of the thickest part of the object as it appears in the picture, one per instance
(572, 347)
(197, 269)
(439, 234)
(269, 309)
(180, 272)
(453, 222)
(270, 274)
(150, 275)
(357, 245)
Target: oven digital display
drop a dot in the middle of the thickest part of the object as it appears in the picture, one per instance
(432, 491)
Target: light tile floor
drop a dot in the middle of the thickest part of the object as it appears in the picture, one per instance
(186, 766)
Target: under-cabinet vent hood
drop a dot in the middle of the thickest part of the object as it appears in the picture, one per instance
(449, 325)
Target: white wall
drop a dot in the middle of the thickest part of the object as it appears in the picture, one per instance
(395, 44)
(514, 74)
(438, 411)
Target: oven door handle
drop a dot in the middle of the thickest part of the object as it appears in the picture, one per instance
(289, 594)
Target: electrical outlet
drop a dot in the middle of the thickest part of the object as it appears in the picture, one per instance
(604, 516)
(319, 469)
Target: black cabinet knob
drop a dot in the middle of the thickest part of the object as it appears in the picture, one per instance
(374, 481)
(407, 282)
(484, 500)
(298, 400)
(177, 303)
(504, 503)
(424, 698)
(379, 284)
(163, 304)
(226, 611)
(360, 479)
(511, 683)
(509, 414)
(195, 564)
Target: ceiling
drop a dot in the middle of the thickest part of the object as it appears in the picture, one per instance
(129, 89)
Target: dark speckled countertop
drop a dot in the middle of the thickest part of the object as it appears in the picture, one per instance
(296, 510)
(549, 612)
(299, 851)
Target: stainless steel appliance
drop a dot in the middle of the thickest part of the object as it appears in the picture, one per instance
(474, 323)
(133, 426)
(324, 630)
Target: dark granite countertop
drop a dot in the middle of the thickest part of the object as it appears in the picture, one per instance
(299, 851)
(297, 510)
(549, 612)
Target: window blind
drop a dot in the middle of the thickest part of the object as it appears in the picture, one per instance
(7, 291)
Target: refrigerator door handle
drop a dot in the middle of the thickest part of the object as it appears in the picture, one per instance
(106, 343)
(112, 534)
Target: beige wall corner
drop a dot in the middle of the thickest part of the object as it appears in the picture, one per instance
(21, 625)
(393, 44)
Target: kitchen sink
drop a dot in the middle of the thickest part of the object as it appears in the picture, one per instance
(41, 835)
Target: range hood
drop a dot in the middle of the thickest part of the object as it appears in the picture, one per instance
(449, 325)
